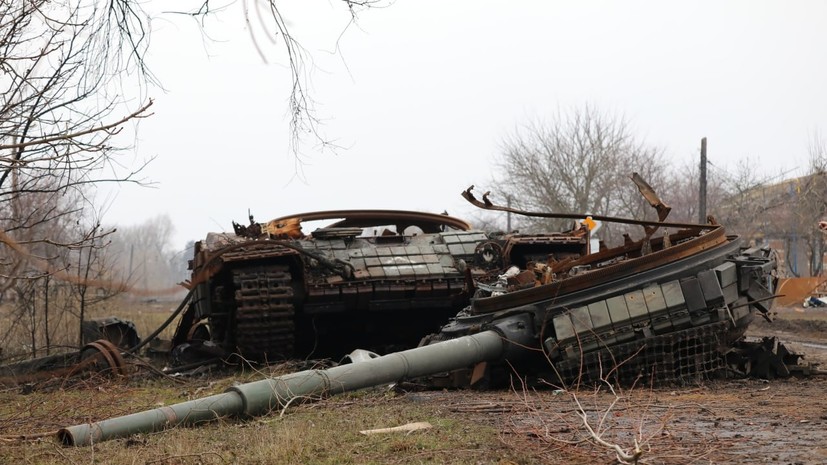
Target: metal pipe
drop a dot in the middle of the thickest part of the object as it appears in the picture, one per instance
(260, 397)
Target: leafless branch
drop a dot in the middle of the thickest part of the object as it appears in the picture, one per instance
(109, 128)
(267, 26)
(579, 161)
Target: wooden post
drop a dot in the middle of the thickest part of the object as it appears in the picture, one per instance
(702, 192)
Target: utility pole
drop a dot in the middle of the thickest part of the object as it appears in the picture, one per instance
(702, 192)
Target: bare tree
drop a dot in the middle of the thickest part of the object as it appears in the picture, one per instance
(59, 114)
(683, 181)
(142, 255)
(761, 208)
(748, 202)
(808, 199)
(40, 224)
(63, 67)
(579, 162)
(93, 271)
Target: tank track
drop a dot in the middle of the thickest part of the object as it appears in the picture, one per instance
(265, 314)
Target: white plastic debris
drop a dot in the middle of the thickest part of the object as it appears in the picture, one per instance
(407, 429)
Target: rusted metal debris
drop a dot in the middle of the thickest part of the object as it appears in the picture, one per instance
(105, 340)
(383, 279)
(663, 309)
(121, 333)
(767, 358)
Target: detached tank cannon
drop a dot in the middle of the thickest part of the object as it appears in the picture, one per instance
(260, 397)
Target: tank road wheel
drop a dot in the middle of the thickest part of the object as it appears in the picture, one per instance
(265, 315)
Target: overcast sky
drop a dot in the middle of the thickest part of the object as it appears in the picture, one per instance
(421, 94)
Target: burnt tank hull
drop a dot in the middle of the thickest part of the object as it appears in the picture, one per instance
(271, 297)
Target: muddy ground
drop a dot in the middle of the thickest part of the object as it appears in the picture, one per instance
(745, 422)
(782, 421)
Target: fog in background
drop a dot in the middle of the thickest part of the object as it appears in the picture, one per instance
(419, 95)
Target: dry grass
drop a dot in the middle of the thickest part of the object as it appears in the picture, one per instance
(325, 432)
(15, 332)
(726, 422)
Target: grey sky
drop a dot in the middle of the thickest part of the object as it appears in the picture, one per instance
(423, 92)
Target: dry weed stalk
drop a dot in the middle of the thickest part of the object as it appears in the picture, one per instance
(624, 456)
(599, 424)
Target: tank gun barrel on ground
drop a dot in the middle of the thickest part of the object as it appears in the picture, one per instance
(261, 397)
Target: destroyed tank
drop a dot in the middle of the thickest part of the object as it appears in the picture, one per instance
(372, 279)
(670, 308)
(674, 315)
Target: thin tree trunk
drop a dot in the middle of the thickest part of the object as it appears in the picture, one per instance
(46, 316)
(33, 321)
